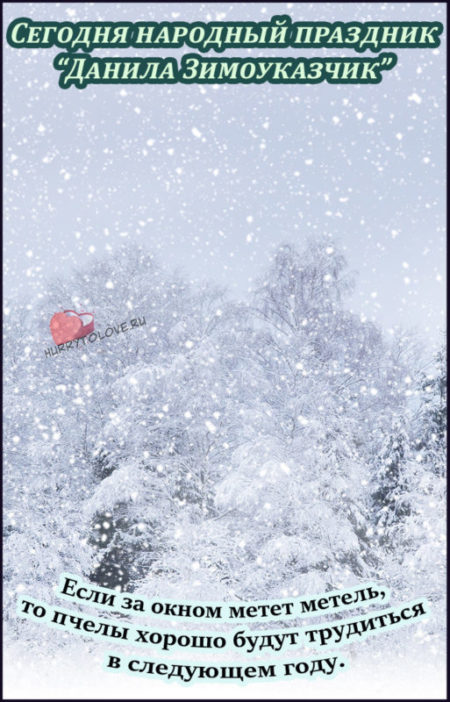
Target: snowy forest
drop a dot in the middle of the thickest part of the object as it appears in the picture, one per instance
(226, 450)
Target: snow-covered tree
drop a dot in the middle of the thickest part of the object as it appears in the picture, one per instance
(410, 497)
(323, 388)
(222, 450)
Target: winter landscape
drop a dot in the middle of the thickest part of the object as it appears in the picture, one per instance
(225, 450)
(277, 426)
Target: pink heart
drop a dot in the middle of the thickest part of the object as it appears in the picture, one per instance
(64, 328)
(69, 325)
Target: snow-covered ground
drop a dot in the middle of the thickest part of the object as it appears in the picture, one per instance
(78, 675)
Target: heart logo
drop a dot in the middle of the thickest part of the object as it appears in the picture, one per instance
(69, 325)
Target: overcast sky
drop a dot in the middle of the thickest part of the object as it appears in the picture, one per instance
(213, 177)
